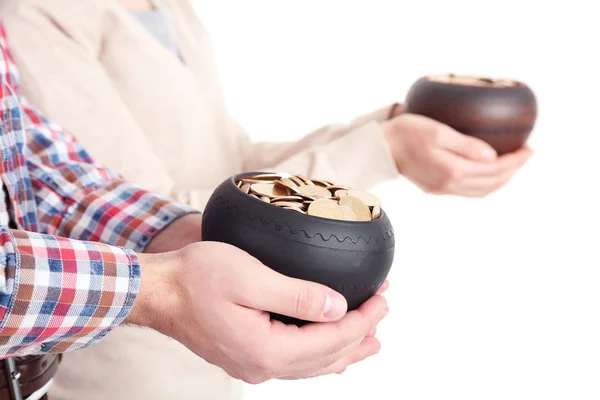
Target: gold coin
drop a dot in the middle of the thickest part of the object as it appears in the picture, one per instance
(255, 196)
(265, 199)
(333, 188)
(297, 182)
(314, 191)
(287, 204)
(306, 198)
(325, 209)
(239, 184)
(341, 193)
(321, 182)
(288, 198)
(271, 177)
(304, 179)
(245, 188)
(376, 212)
(348, 213)
(360, 209)
(287, 184)
(365, 197)
(267, 189)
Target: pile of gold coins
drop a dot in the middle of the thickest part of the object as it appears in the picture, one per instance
(313, 197)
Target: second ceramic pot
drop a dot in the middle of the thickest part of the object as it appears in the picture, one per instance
(500, 112)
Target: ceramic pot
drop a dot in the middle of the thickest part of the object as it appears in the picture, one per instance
(500, 112)
(353, 258)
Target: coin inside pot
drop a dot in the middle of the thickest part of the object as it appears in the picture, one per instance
(344, 241)
(313, 197)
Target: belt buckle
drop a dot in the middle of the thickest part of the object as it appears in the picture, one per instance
(12, 377)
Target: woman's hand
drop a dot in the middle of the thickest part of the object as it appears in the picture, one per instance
(441, 160)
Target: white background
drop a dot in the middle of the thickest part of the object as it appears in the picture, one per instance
(496, 298)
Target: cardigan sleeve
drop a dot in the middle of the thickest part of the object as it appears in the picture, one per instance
(354, 154)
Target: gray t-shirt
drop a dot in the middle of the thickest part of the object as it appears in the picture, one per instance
(158, 23)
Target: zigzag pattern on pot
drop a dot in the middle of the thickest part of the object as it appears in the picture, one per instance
(222, 202)
(356, 288)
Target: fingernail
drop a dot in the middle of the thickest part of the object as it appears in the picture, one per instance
(335, 305)
(488, 154)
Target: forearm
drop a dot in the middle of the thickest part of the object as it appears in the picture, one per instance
(331, 153)
(270, 154)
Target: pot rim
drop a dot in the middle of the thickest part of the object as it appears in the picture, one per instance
(431, 79)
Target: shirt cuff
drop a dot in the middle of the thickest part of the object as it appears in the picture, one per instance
(122, 214)
(61, 294)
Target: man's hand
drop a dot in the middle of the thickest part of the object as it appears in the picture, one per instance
(441, 160)
(215, 299)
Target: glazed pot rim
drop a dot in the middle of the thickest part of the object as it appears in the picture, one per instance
(231, 181)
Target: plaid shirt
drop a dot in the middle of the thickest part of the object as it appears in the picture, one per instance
(60, 289)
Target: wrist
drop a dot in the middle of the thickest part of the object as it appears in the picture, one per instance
(393, 140)
(157, 297)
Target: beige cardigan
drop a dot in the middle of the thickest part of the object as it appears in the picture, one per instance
(90, 66)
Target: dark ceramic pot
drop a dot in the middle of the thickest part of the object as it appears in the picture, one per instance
(500, 112)
(353, 258)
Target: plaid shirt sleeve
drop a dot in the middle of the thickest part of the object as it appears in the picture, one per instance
(61, 294)
(80, 199)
